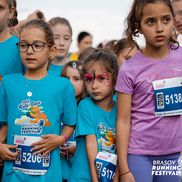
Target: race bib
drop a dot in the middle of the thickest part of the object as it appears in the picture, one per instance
(105, 166)
(26, 162)
(168, 96)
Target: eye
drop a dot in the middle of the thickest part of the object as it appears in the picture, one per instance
(88, 79)
(150, 21)
(67, 38)
(166, 20)
(23, 45)
(38, 44)
(56, 38)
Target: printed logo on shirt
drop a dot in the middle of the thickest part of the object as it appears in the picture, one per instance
(33, 118)
(106, 141)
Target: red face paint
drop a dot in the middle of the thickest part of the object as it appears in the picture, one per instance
(101, 78)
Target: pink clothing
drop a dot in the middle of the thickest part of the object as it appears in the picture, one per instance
(150, 135)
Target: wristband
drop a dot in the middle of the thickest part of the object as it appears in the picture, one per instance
(122, 174)
(65, 138)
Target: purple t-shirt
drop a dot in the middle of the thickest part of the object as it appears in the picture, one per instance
(150, 135)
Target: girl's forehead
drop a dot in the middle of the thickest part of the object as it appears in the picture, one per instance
(34, 33)
(72, 71)
(96, 67)
(154, 9)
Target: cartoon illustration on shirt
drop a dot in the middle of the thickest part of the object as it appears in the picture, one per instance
(35, 112)
(106, 142)
(33, 118)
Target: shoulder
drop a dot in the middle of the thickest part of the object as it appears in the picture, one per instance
(12, 77)
(60, 82)
(86, 102)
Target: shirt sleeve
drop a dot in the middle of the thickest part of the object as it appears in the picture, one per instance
(3, 104)
(125, 80)
(69, 106)
(84, 124)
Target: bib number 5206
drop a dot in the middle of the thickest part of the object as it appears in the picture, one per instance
(30, 158)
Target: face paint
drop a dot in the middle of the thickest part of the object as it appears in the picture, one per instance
(101, 78)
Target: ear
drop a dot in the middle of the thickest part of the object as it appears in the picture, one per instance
(138, 28)
(11, 12)
(52, 52)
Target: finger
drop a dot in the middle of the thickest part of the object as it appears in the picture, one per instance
(45, 153)
(64, 148)
(38, 143)
(37, 147)
(12, 155)
(39, 151)
(46, 136)
(12, 146)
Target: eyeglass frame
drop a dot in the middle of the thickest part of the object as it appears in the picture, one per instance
(31, 45)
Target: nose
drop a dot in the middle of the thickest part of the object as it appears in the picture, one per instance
(61, 41)
(159, 27)
(30, 50)
(94, 84)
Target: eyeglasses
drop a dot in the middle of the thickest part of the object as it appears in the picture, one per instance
(36, 46)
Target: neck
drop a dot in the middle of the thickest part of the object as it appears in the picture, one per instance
(35, 74)
(60, 60)
(155, 52)
(5, 34)
(106, 104)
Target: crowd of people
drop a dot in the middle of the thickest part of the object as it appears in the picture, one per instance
(105, 113)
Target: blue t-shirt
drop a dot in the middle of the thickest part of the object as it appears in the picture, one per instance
(35, 108)
(92, 120)
(10, 61)
(55, 70)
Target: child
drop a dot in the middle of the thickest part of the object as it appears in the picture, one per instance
(124, 50)
(96, 114)
(10, 61)
(177, 7)
(74, 72)
(63, 37)
(33, 105)
(84, 40)
(10, 57)
(149, 124)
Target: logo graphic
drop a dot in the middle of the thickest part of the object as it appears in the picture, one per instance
(107, 138)
(33, 118)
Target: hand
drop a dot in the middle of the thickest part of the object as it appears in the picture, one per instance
(1, 162)
(67, 151)
(47, 144)
(127, 178)
(6, 153)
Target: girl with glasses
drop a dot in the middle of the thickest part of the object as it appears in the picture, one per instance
(32, 105)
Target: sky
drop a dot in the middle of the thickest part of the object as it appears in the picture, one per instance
(104, 19)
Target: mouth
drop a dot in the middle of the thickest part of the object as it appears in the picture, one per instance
(30, 60)
(96, 94)
(61, 50)
(179, 27)
(160, 38)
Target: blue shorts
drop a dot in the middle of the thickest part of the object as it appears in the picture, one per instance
(163, 168)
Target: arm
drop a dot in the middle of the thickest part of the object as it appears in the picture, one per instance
(91, 146)
(5, 152)
(52, 141)
(3, 133)
(123, 125)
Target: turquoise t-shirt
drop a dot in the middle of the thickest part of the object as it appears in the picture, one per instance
(55, 70)
(33, 108)
(92, 120)
(10, 61)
